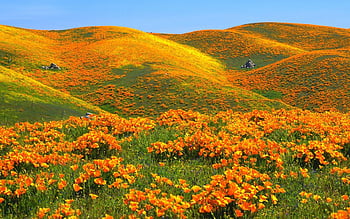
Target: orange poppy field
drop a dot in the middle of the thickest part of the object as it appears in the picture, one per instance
(176, 128)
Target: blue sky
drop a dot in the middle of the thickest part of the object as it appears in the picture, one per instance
(177, 16)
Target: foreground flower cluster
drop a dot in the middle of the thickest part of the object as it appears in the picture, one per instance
(182, 164)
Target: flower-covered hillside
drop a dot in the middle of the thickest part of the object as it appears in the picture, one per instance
(303, 36)
(306, 66)
(126, 71)
(317, 80)
(234, 47)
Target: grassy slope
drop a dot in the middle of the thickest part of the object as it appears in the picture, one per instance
(24, 99)
(130, 72)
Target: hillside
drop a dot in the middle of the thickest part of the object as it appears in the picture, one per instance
(233, 47)
(127, 71)
(303, 36)
(133, 73)
(306, 66)
(24, 99)
(317, 80)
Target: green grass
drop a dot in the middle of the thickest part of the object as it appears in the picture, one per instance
(130, 74)
(271, 94)
(23, 99)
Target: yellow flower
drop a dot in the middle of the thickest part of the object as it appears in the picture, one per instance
(274, 199)
(107, 216)
(74, 167)
(303, 201)
(42, 212)
(316, 197)
(100, 181)
(93, 196)
(196, 188)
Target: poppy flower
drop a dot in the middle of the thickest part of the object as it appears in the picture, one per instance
(76, 187)
(93, 196)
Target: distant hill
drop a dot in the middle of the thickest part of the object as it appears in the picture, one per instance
(317, 80)
(306, 66)
(304, 36)
(234, 47)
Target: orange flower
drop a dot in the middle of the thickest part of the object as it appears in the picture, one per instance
(305, 194)
(304, 172)
(293, 174)
(133, 205)
(206, 208)
(69, 201)
(74, 167)
(239, 213)
(316, 197)
(345, 197)
(76, 187)
(100, 181)
(20, 191)
(303, 201)
(62, 184)
(196, 188)
(107, 216)
(186, 190)
(93, 196)
(329, 200)
(42, 212)
(51, 181)
(261, 206)
(182, 181)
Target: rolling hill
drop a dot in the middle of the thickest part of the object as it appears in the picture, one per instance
(134, 73)
(306, 66)
(304, 36)
(317, 80)
(234, 47)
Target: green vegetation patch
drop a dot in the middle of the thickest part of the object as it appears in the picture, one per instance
(20, 102)
(131, 73)
(6, 58)
(271, 94)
